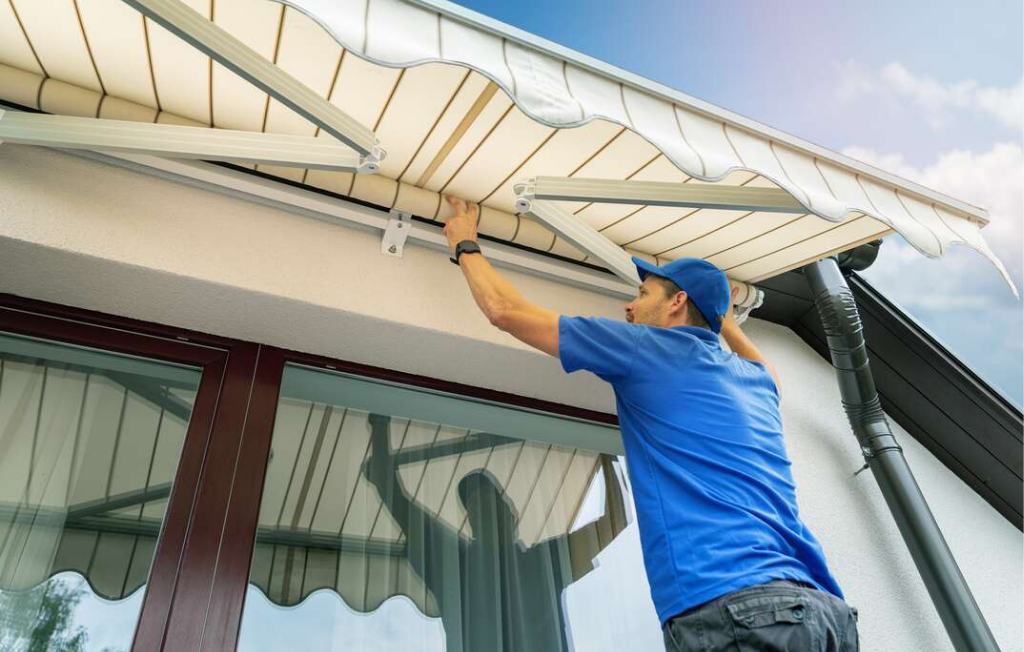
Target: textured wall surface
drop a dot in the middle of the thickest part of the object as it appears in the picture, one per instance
(85, 234)
(849, 516)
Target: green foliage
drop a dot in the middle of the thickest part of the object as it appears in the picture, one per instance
(41, 619)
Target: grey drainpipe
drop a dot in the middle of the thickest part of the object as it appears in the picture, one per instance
(949, 591)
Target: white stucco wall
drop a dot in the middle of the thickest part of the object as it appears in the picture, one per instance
(849, 516)
(85, 234)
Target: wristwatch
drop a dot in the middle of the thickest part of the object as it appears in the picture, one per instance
(465, 247)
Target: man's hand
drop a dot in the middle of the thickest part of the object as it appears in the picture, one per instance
(498, 299)
(377, 466)
(463, 225)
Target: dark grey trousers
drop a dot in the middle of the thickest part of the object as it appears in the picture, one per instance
(779, 616)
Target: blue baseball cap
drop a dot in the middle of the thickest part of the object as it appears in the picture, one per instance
(705, 285)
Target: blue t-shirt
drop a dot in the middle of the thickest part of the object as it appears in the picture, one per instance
(715, 499)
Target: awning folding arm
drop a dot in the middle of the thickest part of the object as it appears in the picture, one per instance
(360, 152)
(577, 233)
(658, 193)
(538, 198)
(176, 141)
(225, 49)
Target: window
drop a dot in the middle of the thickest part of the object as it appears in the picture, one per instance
(397, 518)
(153, 482)
(89, 447)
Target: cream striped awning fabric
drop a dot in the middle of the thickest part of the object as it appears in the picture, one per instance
(324, 525)
(468, 106)
(88, 457)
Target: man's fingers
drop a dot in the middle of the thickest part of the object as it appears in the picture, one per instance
(458, 204)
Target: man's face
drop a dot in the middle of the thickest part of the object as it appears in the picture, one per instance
(652, 305)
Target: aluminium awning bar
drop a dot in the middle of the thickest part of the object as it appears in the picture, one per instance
(579, 234)
(176, 141)
(535, 199)
(227, 50)
(657, 193)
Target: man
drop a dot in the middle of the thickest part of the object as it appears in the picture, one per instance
(520, 613)
(730, 564)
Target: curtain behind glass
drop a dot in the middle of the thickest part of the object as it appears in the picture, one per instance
(481, 531)
(89, 444)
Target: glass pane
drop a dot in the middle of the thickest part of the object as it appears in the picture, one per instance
(395, 519)
(89, 446)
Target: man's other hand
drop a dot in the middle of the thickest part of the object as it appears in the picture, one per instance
(463, 225)
(377, 465)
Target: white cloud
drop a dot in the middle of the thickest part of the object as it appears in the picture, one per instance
(896, 84)
(960, 298)
(992, 179)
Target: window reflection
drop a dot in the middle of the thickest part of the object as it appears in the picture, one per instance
(478, 533)
(64, 614)
(89, 446)
(323, 621)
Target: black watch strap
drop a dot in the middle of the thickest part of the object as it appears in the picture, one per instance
(465, 247)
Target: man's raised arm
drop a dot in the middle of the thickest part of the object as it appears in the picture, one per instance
(499, 300)
(742, 346)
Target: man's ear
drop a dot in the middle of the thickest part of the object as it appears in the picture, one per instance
(679, 303)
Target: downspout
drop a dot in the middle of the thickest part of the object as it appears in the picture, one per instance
(960, 614)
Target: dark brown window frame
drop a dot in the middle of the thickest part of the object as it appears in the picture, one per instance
(220, 360)
(196, 590)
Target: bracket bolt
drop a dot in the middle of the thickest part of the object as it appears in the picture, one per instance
(393, 249)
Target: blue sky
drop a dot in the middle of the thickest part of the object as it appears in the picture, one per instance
(928, 90)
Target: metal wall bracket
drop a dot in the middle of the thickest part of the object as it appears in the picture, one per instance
(395, 234)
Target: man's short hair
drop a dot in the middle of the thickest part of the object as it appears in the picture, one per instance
(694, 317)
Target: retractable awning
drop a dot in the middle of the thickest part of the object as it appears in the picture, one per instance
(465, 105)
(102, 485)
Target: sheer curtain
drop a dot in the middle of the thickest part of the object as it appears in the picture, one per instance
(481, 531)
(89, 443)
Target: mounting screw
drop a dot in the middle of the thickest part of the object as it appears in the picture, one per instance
(393, 249)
